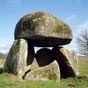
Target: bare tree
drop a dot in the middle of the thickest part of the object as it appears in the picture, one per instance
(82, 43)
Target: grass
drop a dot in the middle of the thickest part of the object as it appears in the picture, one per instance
(83, 66)
(10, 81)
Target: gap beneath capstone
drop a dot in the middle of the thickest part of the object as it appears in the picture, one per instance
(45, 56)
(38, 48)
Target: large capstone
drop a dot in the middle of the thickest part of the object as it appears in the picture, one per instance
(43, 29)
(67, 63)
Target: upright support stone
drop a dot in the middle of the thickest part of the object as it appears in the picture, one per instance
(48, 72)
(31, 54)
(17, 57)
(68, 67)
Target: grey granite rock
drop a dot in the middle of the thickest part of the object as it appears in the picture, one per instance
(68, 66)
(48, 72)
(16, 62)
(43, 29)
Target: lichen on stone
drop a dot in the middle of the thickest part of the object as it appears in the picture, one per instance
(32, 21)
(52, 77)
(16, 48)
(41, 27)
(63, 28)
(58, 29)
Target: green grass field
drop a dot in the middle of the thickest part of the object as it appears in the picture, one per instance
(10, 81)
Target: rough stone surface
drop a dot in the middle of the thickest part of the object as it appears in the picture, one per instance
(43, 29)
(44, 57)
(17, 57)
(31, 54)
(48, 72)
(68, 67)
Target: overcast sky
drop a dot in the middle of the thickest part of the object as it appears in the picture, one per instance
(73, 12)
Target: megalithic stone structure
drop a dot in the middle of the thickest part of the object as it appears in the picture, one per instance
(40, 29)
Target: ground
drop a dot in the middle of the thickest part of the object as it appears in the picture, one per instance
(10, 81)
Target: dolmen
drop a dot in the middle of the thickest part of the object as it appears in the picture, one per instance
(41, 29)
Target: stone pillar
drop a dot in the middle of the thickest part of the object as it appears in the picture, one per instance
(48, 72)
(31, 54)
(17, 57)
(68, 67)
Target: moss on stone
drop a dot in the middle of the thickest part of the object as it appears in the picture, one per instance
(37, 15)
(58, 29)
(16, 47)
(32, 21)
(52, 77)
(11, 67)
(65, 28)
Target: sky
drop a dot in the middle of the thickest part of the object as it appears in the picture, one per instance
(73, 12)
